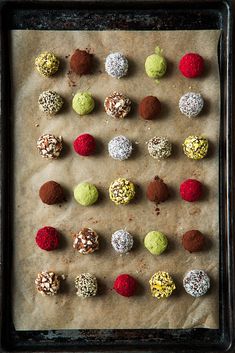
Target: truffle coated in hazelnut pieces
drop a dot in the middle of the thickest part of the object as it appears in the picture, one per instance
(86, 285)
(51, 193)
(117, 105)
(81, 62)
(49, 146)
(149, 108)
(121, 191)
(47, 64)
(50, 102)
(47, 283)
(86, 241)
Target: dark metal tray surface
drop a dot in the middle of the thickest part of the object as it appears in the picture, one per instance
(122, 15)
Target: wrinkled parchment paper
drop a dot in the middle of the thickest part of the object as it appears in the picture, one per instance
(31, 311)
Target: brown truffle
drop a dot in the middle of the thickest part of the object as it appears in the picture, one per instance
(149, 108)
(157, 191)
(51, 193)
(193, 240)
(81, 62)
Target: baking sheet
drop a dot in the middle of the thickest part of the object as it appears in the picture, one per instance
(31, 311)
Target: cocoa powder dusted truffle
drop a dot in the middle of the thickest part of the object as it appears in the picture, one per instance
(47, 283)
(159, 147)
(86, 241)
(49, 146)
(47, 64)
(149, 108)
(117, 105)
(116, 65)
(50, 102)
(81, 62)
(193, 241)
(86, 285)
(157, 191)
(51, 193)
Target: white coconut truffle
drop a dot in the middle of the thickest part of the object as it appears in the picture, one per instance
(159, 147)
(122, 241)
(120, 148)
(116, 65)
(191, 104)
(196, 283)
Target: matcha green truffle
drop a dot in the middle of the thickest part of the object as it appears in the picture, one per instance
(155, 64)
(195, 147)
(86, 194)
(83, 103)
(155, 242)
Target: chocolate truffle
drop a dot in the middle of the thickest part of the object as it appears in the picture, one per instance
(161, 285)
(195, 147)
(159, 148)
(196, 283)
(86, 241)
(47, 64)
(191, 104)
(51, 193)
(47, 238)
(191, 190)
(116, 65)
(149, 108)
(50, 102)
(81, 62)
(86, 285)
(125, 285)
(193, 241)
(121, 191)
(157, 191)
(47, 283)
(122, 241)
(49, 146)
(117, 105)
(120, 148)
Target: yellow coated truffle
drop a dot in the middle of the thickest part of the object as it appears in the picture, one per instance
(47, 64)
(195, 147)
(121, 191)
(161, 285)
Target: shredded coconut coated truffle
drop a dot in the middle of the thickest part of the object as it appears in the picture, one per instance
(159, 148)
(196, 283)
(116, 65)
(191, 104)
(122, 241)
(86, 285)
(120, 148)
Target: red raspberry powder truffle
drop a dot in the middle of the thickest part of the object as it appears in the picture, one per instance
(47, 238)
(84, 145)
(191, 190)
(125, 285)
(191, 65)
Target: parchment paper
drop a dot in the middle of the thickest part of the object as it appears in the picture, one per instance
(31, 311)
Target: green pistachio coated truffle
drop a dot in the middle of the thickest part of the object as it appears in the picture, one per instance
(47, 64)
(86, 194)
(155, 64)
(195, 147)
(83, 103)
(155, 242)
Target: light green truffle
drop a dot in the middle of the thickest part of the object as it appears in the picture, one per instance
(83, 103)
(86, 194)
(155, 242)
(155, 64)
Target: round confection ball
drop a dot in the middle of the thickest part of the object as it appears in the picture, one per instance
(125, 285)
(155, 64)
(86, 241)
(196, 283)
(191, 190)
(47, 283)
(121, 191)
(49, 146)
(122, 241)
(159, 147)
(81, 62)
(191, 104)
(47, 238)
(83, 103)
(47, 64)
(120, 148)
(51, 193)
(157, 191)
(193, 241)
(161, 285)
(86, 194)
(86, 285)
(155, 242)
(117, 105)
(50, 102)
(116, 65)
(84, 145)
(195, 147)
(191, 65)
(149, 108)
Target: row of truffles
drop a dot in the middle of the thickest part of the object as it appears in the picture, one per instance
(118, 106)
(196, 283)
(116, 64)
(121, 192)
(86, 241)
(121, 148)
